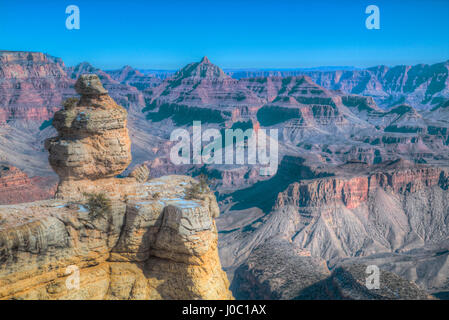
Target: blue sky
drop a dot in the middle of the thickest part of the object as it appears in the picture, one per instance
(234, 34)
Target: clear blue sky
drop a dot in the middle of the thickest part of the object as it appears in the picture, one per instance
(234, 34)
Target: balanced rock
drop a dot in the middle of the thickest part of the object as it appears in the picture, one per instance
(89, 84)
(93, 141)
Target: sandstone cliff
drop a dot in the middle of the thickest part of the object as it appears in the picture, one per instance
(17, 187)
(104, 237)
(32, 85)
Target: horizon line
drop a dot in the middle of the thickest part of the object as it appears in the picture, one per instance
(230, 69)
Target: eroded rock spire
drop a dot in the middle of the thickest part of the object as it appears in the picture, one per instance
(93, 141)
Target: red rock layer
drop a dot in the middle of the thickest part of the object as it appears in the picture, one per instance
(356, 190)
(32, 85)
(17, 187)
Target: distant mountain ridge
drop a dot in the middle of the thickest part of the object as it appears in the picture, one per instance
(200, 91)
(239, 73)
(422, 86)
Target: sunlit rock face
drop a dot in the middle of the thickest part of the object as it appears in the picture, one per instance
(156, 245)
(93, 140)
(149, 242)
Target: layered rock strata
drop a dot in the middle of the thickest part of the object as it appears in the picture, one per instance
(279, 269)
(201, 91)
(32, 85)
(93, 142)
(17, 187)
(104, 237)
(390, 213)
(354, 191)
(155, 246)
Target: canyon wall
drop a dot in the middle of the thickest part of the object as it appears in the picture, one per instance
(17, 187)
(394, 214)
(32, 85)
(354, 191)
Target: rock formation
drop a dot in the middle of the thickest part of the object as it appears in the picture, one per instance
(278, 269)
(125, 95)
(388, 214)
(17, 187)
(333, 126)
(355, 191)
(32, 85)
(423, 86)
(135, 78)
(32, 88)
(349, 282)
(126, 238)
(93, 141)
(201, 91)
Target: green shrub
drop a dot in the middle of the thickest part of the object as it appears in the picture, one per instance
(99, 205)
(156, 195)
(69, 103)
(196, 189)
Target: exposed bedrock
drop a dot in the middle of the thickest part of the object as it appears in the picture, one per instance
(147, 248)
(105, 237)
(279, 269)
(393, 208)
(17, 187)
(93, 140)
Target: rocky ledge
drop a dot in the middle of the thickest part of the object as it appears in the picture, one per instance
(154, 246)
(105, 237)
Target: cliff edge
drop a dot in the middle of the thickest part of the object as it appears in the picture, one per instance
(103, 237)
